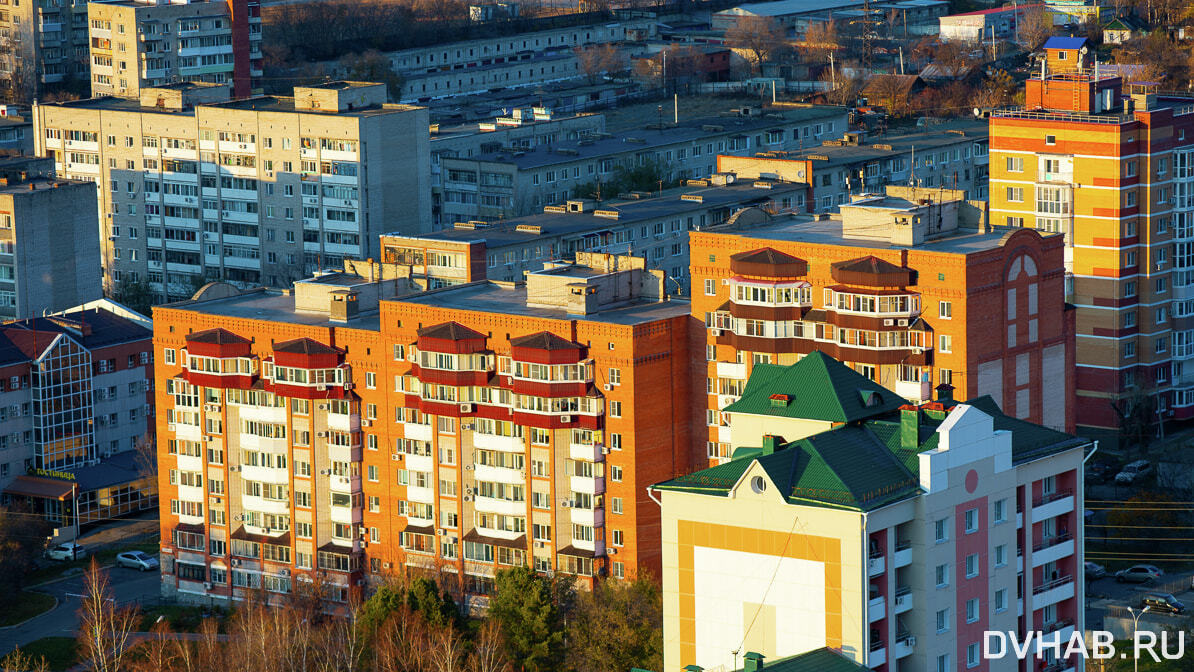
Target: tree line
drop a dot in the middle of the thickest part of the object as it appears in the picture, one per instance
(533, 624)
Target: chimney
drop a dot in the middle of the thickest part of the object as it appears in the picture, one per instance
(945, 392)
(772, 443)
(752, 662)
(909, 427)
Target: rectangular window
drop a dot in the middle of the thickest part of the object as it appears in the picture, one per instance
(971, 610)
(972, 565)
(941, 530)
(942, 576)
(971, 521)
(943, 620)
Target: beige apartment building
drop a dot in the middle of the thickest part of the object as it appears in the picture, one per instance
(45, 44)
(137, 44)
(194, 187)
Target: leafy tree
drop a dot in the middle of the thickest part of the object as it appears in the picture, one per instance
(136, 295)
(22, 535)
(651, 176)
(388, 599)
(436, 606)
(617, 626)
(525, 605)
(1137, 418)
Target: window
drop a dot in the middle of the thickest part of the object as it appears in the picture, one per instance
(1015, 164)
(971, 517)
(972, 655)
(945, 309)
(945, 343)
(616, 505)
(943, 620)
(941, 530)
(999, 511)
(615, 376)
(1052, 139)
(1001, 555)
(972, 565)
(942, 576)
(1015, 194)
(710, 286)
(972, 610)
(943, 659)
(1001, 600)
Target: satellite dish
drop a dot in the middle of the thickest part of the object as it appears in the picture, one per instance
(1084, 49)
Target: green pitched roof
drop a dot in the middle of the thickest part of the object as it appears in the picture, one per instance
(818, 387)
(817, 660)
(860, 465)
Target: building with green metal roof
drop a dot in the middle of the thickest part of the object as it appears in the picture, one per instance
(851, 519)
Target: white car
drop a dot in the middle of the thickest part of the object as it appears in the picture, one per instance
(1134, 472)
(136, 560)
(65, 552)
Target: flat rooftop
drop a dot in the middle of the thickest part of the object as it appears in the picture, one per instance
(255, 104)
(511, 299)
(809, 229)
(691, 130)
(550, 224)
(883, 146)
(275, 306)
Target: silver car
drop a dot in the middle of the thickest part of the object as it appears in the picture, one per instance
(136, 560)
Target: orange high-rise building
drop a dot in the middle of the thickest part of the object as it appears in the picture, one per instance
(458, 431)
(1111, 166)
(912, 289)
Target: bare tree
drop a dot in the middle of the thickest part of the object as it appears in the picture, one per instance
(445, 650)
(841, 90)
(1035, 27)
(399, 645)
(18, 661)
(820, 40)
(597, 60)
(489, 653)
(104, 626)
(146, 459)
(761, 38)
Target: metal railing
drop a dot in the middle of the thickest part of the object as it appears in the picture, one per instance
(1052, 541)
(1082, 117)
(1051, 497)
(1050, 585)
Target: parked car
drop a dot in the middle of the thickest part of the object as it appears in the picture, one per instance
(1100, 472)
(1094, 570)
(136, 560)
(1162, 602)
(68, 551)
(1134, 472)
(1138, 574)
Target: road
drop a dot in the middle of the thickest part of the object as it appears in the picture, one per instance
(128, 586)
(1106, 591)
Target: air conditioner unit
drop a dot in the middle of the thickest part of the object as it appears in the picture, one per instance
(566, 419)
(348, 386)
(468, 426)
(321, 387)
(717, 332)
(323, 407)
(566, 504)
(611, 551)
(238, 517)
(321, 435)
(385, 565)
(468, 491)
(605, 450)
(608, 387)
(902, 322)
(235, 562)
(325, 472)
(540, 544)
(396, 456)
(235, 467)
(917, 351)
(888, 322)
(170, 426)
(366, 423)
(468, 498)
(912, 641)
(284, 572)
(466, 408)
(441, 532)
(206, 586)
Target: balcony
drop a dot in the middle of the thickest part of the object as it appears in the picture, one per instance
(419, 432)
(344, 483)
(877, 655)
(485, 472)
(187, 432)
(731, 370)
(1052, 549)
(592, 486)
(509, 444)
(903, 554)
(417, 462)
(344, 422)
(254, 503)
(1064, 628)
(914, 391)
(345, 514)
(421, 495)
(590, 517)
(903, 600)
(904, 645)
(251, 472)
(1052, 505)
(503, 506)
(589, 452)
(875, 565)
(262, 413)
(189, 463)
(1052, 592)
(876, 609)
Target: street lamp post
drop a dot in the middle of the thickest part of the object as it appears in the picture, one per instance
(1135, 620)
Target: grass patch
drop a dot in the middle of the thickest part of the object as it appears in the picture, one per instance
(25, 607)
(181, 618)
(59, 652)
(105, 557)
